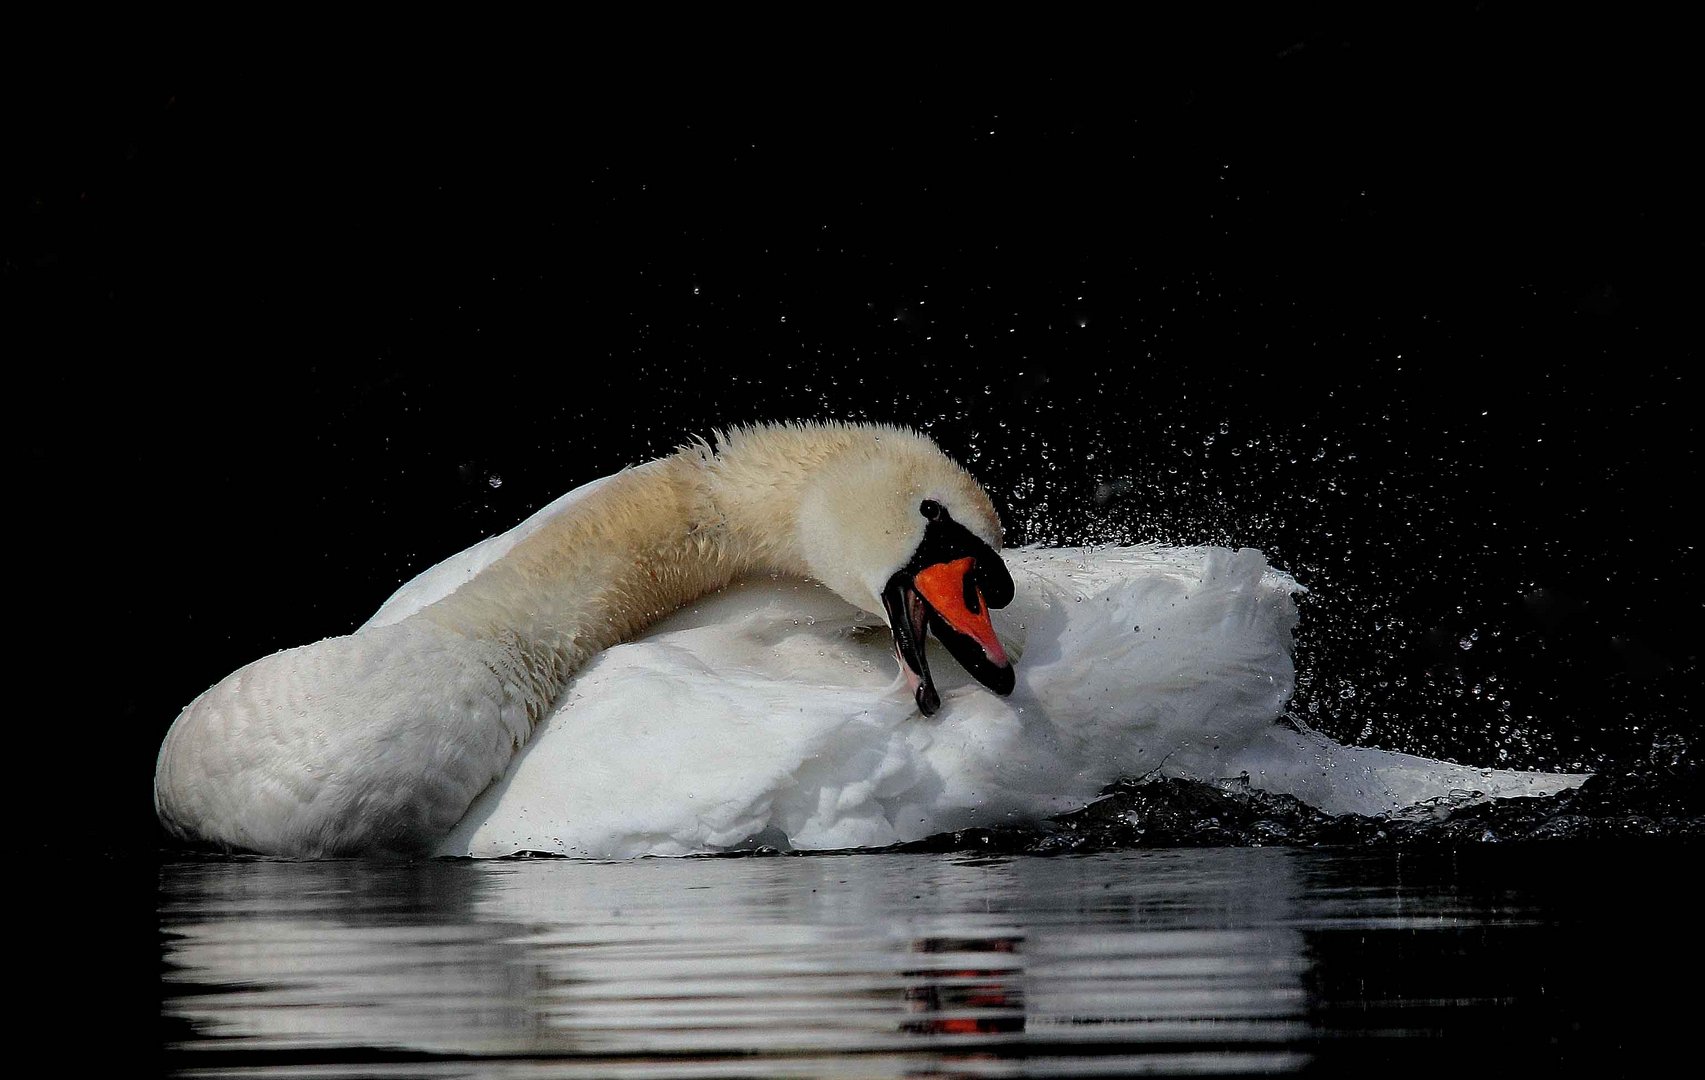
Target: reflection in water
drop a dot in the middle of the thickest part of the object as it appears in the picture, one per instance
(286, 956)
(1217, 960)
(982, 1000)
(854, 960)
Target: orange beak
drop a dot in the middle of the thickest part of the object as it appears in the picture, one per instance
(958, 602)
(947, 589)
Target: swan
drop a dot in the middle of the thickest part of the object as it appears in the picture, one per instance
(697, 654)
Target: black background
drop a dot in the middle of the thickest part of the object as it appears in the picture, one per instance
(1399, 302)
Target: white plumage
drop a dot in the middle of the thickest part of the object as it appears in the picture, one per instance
(770, 713)
(525, 696)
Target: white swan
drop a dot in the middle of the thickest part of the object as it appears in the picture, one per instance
(764, 711)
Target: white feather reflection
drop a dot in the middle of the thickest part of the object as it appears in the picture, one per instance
(654, 963)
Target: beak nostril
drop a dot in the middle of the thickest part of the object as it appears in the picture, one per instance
(994, 584)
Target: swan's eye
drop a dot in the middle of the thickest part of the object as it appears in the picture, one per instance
(931, 509)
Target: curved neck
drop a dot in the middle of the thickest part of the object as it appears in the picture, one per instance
(649, 540)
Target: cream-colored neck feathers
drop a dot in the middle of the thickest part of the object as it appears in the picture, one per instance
(834, 502)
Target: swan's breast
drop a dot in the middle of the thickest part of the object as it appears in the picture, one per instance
(370, 742)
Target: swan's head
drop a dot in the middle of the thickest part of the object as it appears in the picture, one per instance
(899, 529)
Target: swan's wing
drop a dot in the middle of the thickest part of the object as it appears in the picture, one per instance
(435, 583)
(720, 725)
(772, 712)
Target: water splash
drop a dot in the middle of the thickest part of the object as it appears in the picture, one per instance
(1657, 802)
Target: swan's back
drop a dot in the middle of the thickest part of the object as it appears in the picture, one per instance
(440, 580)
(768, 713)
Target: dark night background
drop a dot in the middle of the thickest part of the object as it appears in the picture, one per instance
(1398, 303)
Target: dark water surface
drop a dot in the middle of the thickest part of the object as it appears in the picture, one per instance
(1192, 961)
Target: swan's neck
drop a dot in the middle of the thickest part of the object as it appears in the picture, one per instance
(380, 739)
(646, 542)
